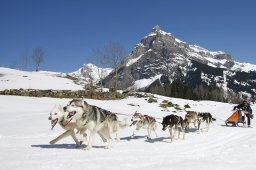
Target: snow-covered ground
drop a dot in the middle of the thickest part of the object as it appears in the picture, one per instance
(43, 80)
(25, 134)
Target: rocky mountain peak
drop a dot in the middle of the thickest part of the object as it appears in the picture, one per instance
(156, 28)
(157, 31)
(161, 56)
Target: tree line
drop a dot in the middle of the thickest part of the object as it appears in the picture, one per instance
(201, 92)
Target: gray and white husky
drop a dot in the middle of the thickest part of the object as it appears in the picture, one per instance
(94, 119)
(58, 115)
(190, 117)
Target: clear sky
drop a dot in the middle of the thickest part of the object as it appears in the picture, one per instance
(68, 30)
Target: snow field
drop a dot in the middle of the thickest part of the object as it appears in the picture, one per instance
(25, 134)
(42, 80)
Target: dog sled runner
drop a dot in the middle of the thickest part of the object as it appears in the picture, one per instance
(236, 119)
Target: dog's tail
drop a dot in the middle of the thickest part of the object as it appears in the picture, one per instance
(213, 119)
(123, 123)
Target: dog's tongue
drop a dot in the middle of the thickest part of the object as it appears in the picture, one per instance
(71, 114)
(52, 126)
(54, 123)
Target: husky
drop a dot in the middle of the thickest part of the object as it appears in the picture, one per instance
(96, 120)
(190, 117)
(206, 118)
(145, 122)
(58, 115)
(174, 123)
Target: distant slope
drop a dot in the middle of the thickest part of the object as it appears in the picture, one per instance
(43, 80)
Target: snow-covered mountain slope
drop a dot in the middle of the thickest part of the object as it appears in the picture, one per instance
(221, 59)
(161, 54)
(25, 134)
(43, 80)
(90, 72)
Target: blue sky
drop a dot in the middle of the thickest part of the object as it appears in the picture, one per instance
(67, 31)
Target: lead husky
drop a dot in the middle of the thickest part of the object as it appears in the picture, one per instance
(58, 115)
(145, 122)
(173, 123)
(95, 119)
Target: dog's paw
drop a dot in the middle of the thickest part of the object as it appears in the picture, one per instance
(77, 146)
(88, 148)
(107, 147)
(52, 142)
(148, 138)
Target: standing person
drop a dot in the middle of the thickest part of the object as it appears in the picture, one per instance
(245, 106)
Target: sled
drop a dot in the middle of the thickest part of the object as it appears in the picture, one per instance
(235, 119)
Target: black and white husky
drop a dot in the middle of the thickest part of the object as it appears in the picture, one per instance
(94, 119)
(145, 122)
(204, 118)
(174, 123)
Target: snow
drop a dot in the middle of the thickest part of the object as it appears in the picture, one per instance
(134, 60)
(195, 52)
(25, 134)
(140, 44)
(216, 61)
(139, 84)
(201, 49)
(91, 71)
(156, 30)
(179, 41)
(151, 34)
(43, 80)
(165, 33)
(211, 65)
(246, 67)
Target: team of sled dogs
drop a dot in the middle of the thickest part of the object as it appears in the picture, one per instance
(78, 116)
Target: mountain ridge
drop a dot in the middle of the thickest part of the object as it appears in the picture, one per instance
(90, 73)
(161, 54)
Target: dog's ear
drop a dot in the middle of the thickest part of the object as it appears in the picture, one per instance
(85, 104)
(56, 106)
(60, 107)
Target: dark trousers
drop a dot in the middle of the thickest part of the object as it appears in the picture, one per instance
(248, 119)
